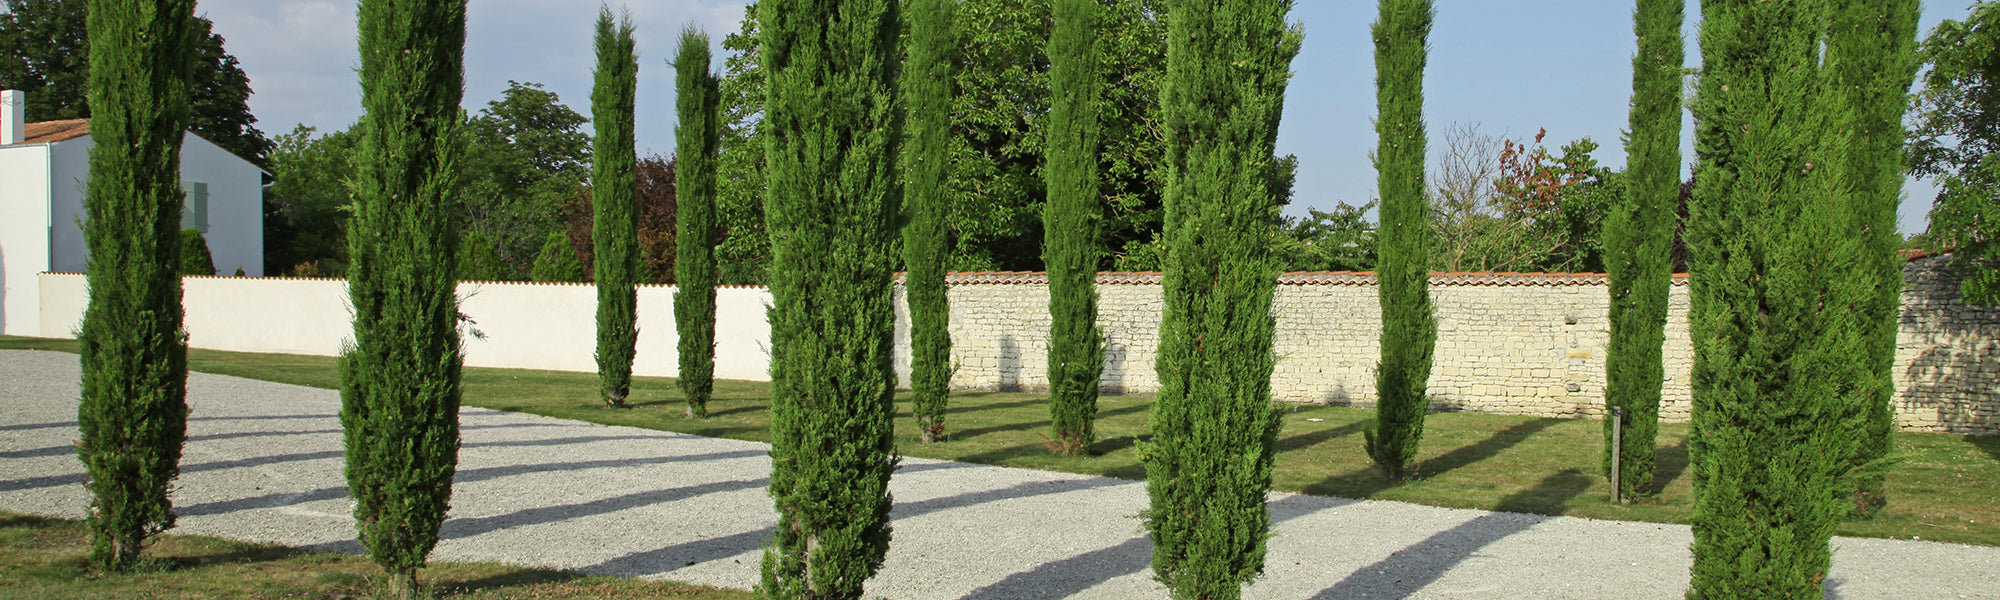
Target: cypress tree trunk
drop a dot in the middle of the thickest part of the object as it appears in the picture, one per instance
(832, 205)
(1409, 329)
(1638, 239)
(133, 415)
(1076, 348)
(698, 139)
(1770, 440)
(1208, 465)
(614, 228)
(1871, 60)
(927, 95)
(400, 381)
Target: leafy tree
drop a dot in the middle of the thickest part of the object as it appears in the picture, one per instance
(133, 415)
(1561, 200)
(657, 207)
(527, 154)
(1409, 329)
(1337, 240)
(1870, 63)
(743, 250)
(44, 45)
(400, 380)
(1214, 428)
(478, 262)
(306, 209)
(615, 228)
(830, 116)
(1070, 222)
(1954, 137)
(557, 261)
(195, 257)
(698, 140)
(1771, 439)
(1637, 244)
(927, 92)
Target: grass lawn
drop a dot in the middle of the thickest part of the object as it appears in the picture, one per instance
(1947, 487)
(43, 559)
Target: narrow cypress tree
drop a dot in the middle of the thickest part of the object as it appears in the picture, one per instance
(1771, 436)
(1409, 329)
(927, 95)
(1208, 465)
(832, 205)
(1069, 226)
(1638, 239)
(133, 415)
(557, 261)
(400, 381)
(1870, 62)
(614, 226)
(699, 140)
(195, 258)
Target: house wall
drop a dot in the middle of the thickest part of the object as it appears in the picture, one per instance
(24, 236)
(235, 213)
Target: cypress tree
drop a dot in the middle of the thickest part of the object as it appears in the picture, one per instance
(1076, 348)
(195, 258)
(1638, 239)
(1208, 465)
(832, 205)
(133, 414)
(927, 93)
(1409, 329)
(400, 380)
(614, 226)
(699, 139)
(1870, 63)
(1771, 435)
(557, 261)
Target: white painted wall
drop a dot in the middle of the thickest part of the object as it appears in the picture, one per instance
(235, 213)
(524, 325)
(24, 236)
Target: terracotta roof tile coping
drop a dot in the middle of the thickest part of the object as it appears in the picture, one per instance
(49, 132)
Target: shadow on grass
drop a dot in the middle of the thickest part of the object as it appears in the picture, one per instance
(1410, 569)
(979, 431)
(1668, 464)
(1989, 443)
(1314, 438)
(516, 578)
(1484, 449)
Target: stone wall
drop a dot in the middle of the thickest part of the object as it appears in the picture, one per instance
(1523, 344)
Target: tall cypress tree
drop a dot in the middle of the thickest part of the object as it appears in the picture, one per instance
(1409, 329)
(831, 207)
(1208, 465)
(1069, 226)
(1870, 62)
(698, 140)
(927, 94)
(133, 415)
(614, 226)
(400, 381)
(1771, 436)
(1638, 239)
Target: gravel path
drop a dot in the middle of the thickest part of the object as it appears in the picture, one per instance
(263, 464)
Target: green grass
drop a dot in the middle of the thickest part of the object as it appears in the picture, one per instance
(43, 559)
(1947, 487)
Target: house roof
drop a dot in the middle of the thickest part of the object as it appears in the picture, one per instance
(49, 132)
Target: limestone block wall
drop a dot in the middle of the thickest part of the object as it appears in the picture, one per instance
(1523, 344)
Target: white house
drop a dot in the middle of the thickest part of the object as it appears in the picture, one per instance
(43, 168)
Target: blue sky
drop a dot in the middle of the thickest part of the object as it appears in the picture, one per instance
(1512, 67)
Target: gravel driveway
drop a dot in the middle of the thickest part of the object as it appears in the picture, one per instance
(263, 464)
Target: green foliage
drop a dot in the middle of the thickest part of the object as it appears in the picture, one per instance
(557, 262)
(1339, 240)
(1869, 65)
(1637, 242)
(1773, 245)
(195, 257)
(1070, 222)
(1955, 137)
(306, 209)
(44, 46)
(615, 224)
(1214, 428)
(833, 201)
(133, 414)
(927, 154)
(743, 247)
(400, 380)
(698, 141)
(1409, 329)
(478, 262)
(527, 154)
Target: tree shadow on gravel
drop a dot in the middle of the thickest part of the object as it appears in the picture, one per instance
(1411, 569)
(27, 426)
